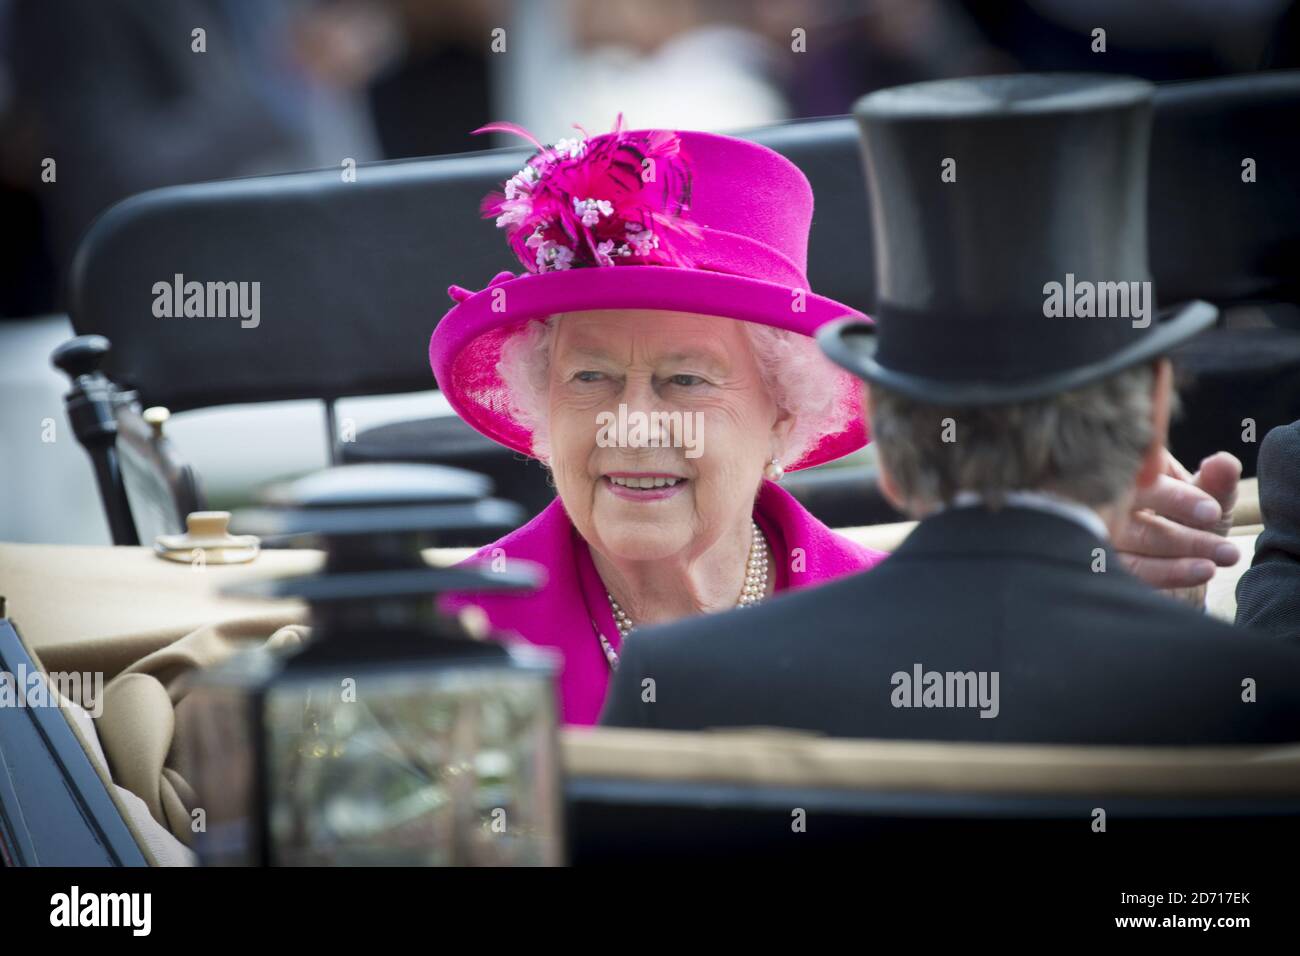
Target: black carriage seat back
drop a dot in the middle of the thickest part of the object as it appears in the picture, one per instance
(311, 286)
(346, 279)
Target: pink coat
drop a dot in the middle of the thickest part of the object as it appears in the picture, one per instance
(565, 613)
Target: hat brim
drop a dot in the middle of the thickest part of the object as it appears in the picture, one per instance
(852, 345)
(509, 304)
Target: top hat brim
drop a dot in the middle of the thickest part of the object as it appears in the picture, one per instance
(852, 344)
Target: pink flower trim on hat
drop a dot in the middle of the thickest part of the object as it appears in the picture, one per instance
(622, 198)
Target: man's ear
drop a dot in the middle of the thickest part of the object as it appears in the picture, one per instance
(1153, 460)
(888, 487)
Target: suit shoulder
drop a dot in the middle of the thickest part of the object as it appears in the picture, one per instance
(778, 614)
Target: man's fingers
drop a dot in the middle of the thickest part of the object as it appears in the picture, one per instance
(1180, 501)
(1169, 572)
(1150, 535)
(1219, 477)
(1173, 539)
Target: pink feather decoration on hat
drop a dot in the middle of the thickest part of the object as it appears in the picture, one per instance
(622, 198)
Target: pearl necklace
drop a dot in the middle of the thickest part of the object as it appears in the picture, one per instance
(755, 590)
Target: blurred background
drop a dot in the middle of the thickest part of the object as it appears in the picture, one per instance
(117, 92)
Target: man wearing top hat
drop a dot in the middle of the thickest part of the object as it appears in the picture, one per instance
(1018, 397)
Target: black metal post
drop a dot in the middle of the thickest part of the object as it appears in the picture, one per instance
(90, 412)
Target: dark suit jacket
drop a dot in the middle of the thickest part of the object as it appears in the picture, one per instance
(1080, 656)
(1268, 594)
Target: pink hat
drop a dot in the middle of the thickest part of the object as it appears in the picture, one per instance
(643, 219)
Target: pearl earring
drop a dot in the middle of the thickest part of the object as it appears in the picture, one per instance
(773, 470)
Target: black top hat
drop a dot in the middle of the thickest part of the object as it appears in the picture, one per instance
(1009, 219)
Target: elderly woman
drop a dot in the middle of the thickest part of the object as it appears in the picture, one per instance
(656, 356)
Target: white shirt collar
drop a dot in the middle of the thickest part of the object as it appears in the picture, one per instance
(1042, 501)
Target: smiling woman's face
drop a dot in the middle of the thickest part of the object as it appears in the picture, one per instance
(701, 367)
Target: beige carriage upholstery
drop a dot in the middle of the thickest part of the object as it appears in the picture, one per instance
(144, 623)
(771, 757)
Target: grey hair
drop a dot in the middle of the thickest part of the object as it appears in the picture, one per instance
(798, 377)
(1085, 445)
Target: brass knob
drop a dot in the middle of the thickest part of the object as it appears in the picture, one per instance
(208, 524)
(154, 417)
(207, 531)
